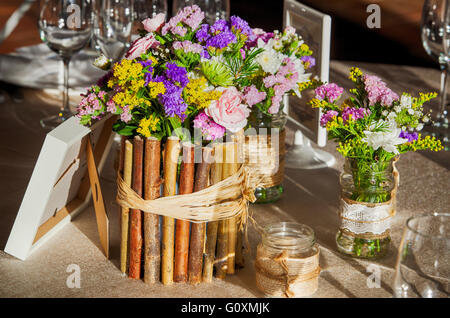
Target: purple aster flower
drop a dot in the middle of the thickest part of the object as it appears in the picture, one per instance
(330, 91)
(326, 117)
(410, 136)
(172, 101)
(221, 40)
(355, 113)
(176, 74)
(309, 61)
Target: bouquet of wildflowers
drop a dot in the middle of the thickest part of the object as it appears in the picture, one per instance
(184, 73)
(372, 127)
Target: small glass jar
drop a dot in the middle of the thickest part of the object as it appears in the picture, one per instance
(262, 122)
(368, 188)
(287, 261)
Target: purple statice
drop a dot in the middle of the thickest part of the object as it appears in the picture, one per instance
(190, 16)
(176, 74)
(210, 129)
(326, 117)
(410, 136)
(219, 26)
(253, 96)
(205, 54)
(221, 40)
(238, 24)
(330, 91)
(193, 16)
(377, 91)
(147, 74)
(354, 113)
(187, 47)
(203, 33)
(172, 101)
(308, 61)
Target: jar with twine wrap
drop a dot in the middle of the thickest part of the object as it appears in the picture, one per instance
(287, 261)
(368, 204)
(264, 152)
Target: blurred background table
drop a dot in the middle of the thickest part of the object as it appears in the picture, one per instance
(311, 197)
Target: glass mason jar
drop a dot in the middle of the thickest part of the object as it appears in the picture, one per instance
(264, 124)
(368, 203)
(287, 250)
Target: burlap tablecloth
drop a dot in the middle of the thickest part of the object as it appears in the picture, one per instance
(311, 197)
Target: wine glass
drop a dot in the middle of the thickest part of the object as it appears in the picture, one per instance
(65, 26)
(435, 33)
(113, 21)
(213, 9)
(423, 262)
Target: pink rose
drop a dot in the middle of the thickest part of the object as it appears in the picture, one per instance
(141, 45)
(154, 24)
(228, 110)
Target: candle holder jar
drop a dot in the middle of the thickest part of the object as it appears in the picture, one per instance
(287, 261)
(368, 192)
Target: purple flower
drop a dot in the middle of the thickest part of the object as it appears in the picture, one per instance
(148, 73)
(238, 24)
(219, 26)
(410, 136)
(202, 34)
(172, 101)
(176, 74)
(210, 129)
(355, 113)
(330, 91)
(205, 54)
(326, 117)
(308, 61)
(221, 40)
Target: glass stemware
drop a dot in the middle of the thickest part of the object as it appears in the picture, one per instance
(423, 262)
(435, 33)
(214, 9)
(113, 21)
(65, 26)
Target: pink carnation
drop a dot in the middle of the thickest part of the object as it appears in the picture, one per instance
(154, 24)
(141, 46)
(229, 111)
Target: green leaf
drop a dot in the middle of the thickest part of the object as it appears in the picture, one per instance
(217, 73)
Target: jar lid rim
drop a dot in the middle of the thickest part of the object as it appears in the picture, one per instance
(288, 235)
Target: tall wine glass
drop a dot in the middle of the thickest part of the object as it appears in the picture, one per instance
(435, 32)
(214, 9)
(423, 262)
(65, 26)
(113, 21)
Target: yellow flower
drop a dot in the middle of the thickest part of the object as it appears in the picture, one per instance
(156, 88)
(317, 103)
(355, 73)
(195, 94)
(147, 125)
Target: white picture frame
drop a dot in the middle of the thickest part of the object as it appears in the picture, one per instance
(315, 29)
(59, 187)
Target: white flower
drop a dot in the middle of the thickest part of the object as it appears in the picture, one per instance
(384, 113)
(270, 60)
(388, 139)
(419, 127)
(411, 111)
(406, 101)
(398, 108)
(425, 119)
(392, 116)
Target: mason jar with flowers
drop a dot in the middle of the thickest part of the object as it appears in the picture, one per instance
(373, 127)
(281, 69)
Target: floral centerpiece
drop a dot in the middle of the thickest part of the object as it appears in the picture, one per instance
(179, 78)
(373, 127)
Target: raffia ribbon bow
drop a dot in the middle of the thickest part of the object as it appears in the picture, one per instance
(225, 199)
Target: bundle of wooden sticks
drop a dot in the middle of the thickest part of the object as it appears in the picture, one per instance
(159, 248)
